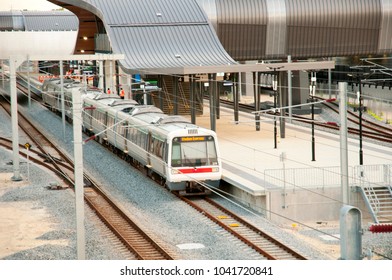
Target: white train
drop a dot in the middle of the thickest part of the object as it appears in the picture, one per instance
(51, 93)
(170, 149)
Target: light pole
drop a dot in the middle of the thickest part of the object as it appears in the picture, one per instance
(360, 121)
(275, 89)
(360, 109)
(312, 93)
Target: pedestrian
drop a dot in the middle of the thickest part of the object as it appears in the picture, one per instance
(122, 93)
(108, 91)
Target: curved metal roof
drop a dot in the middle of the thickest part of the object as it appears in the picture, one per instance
(38, 21)
(165, 34)
(158, 34)
(267, 29)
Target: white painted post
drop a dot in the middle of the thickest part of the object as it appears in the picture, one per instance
(14, 64)
(79, 191)
(62, 96)
(343, 142)
(290, 90)
(100, 82)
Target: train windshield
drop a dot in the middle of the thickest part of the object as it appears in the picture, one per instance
(193, 151)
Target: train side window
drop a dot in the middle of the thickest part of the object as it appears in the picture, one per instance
(159, 148)
(122, 129)
(134, 135)
(151, 144)
(110, 121)
(144, 140)
(164, 152)
(211, 153)
(176, 154)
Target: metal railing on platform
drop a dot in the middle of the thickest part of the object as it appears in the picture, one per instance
(322, 177)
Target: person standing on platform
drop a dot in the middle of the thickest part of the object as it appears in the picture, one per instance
(108, 91)
(122, 93)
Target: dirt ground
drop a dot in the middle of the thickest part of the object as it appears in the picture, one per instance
(19, 220)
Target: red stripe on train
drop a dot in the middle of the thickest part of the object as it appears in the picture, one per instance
(195, 170)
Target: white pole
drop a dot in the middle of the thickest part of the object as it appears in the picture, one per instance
(78, 157)
(144, 95)
(329, 83)
(28, 83)
(28, 163)
(111, 76)
(239, 86)
(290, 90)
(100, 82)
(343, 142)
(2, 72)
(129, 82)
(62, 96)
(14, 63)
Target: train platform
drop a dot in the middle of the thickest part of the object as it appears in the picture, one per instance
(285, 181)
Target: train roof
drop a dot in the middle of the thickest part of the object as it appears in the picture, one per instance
(123, 102)
(106, 96)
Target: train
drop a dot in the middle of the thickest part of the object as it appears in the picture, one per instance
(177, 154)
(51, 93)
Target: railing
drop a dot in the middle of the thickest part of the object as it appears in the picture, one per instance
(292, 178)
(167, 97)
(182, 96)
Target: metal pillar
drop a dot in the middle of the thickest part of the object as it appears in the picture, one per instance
(350, 233)
(128, 94)
(62, 96)
(360, 122)
(101, 83)
(79, 185)
(217, 87)
(290, 90)
(111, 76)
(312, 94)
(214, 98)
(343, 142)
(193, 103)
(329, 83)
(282, 119)
(15, 62)
(212, 102)
(2, 73)
(236, 93)
(28, 83)
(175, 88)
(256, 93)
(275, 88)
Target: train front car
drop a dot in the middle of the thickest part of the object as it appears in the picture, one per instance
(194, 163)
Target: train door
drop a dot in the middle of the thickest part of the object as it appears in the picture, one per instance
(149, 148)
(105, 126)
(125, 135)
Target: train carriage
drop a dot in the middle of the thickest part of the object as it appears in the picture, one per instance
(172, 150)
(52, 94)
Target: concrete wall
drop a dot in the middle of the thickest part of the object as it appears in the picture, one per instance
(305, 206)
(314, 205)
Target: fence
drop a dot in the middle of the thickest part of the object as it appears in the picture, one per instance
(292, 178)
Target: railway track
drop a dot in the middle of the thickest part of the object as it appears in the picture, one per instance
(48, 155)
(267, 246)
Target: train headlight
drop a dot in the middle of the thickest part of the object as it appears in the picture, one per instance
(175, 171)
(215, 169)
